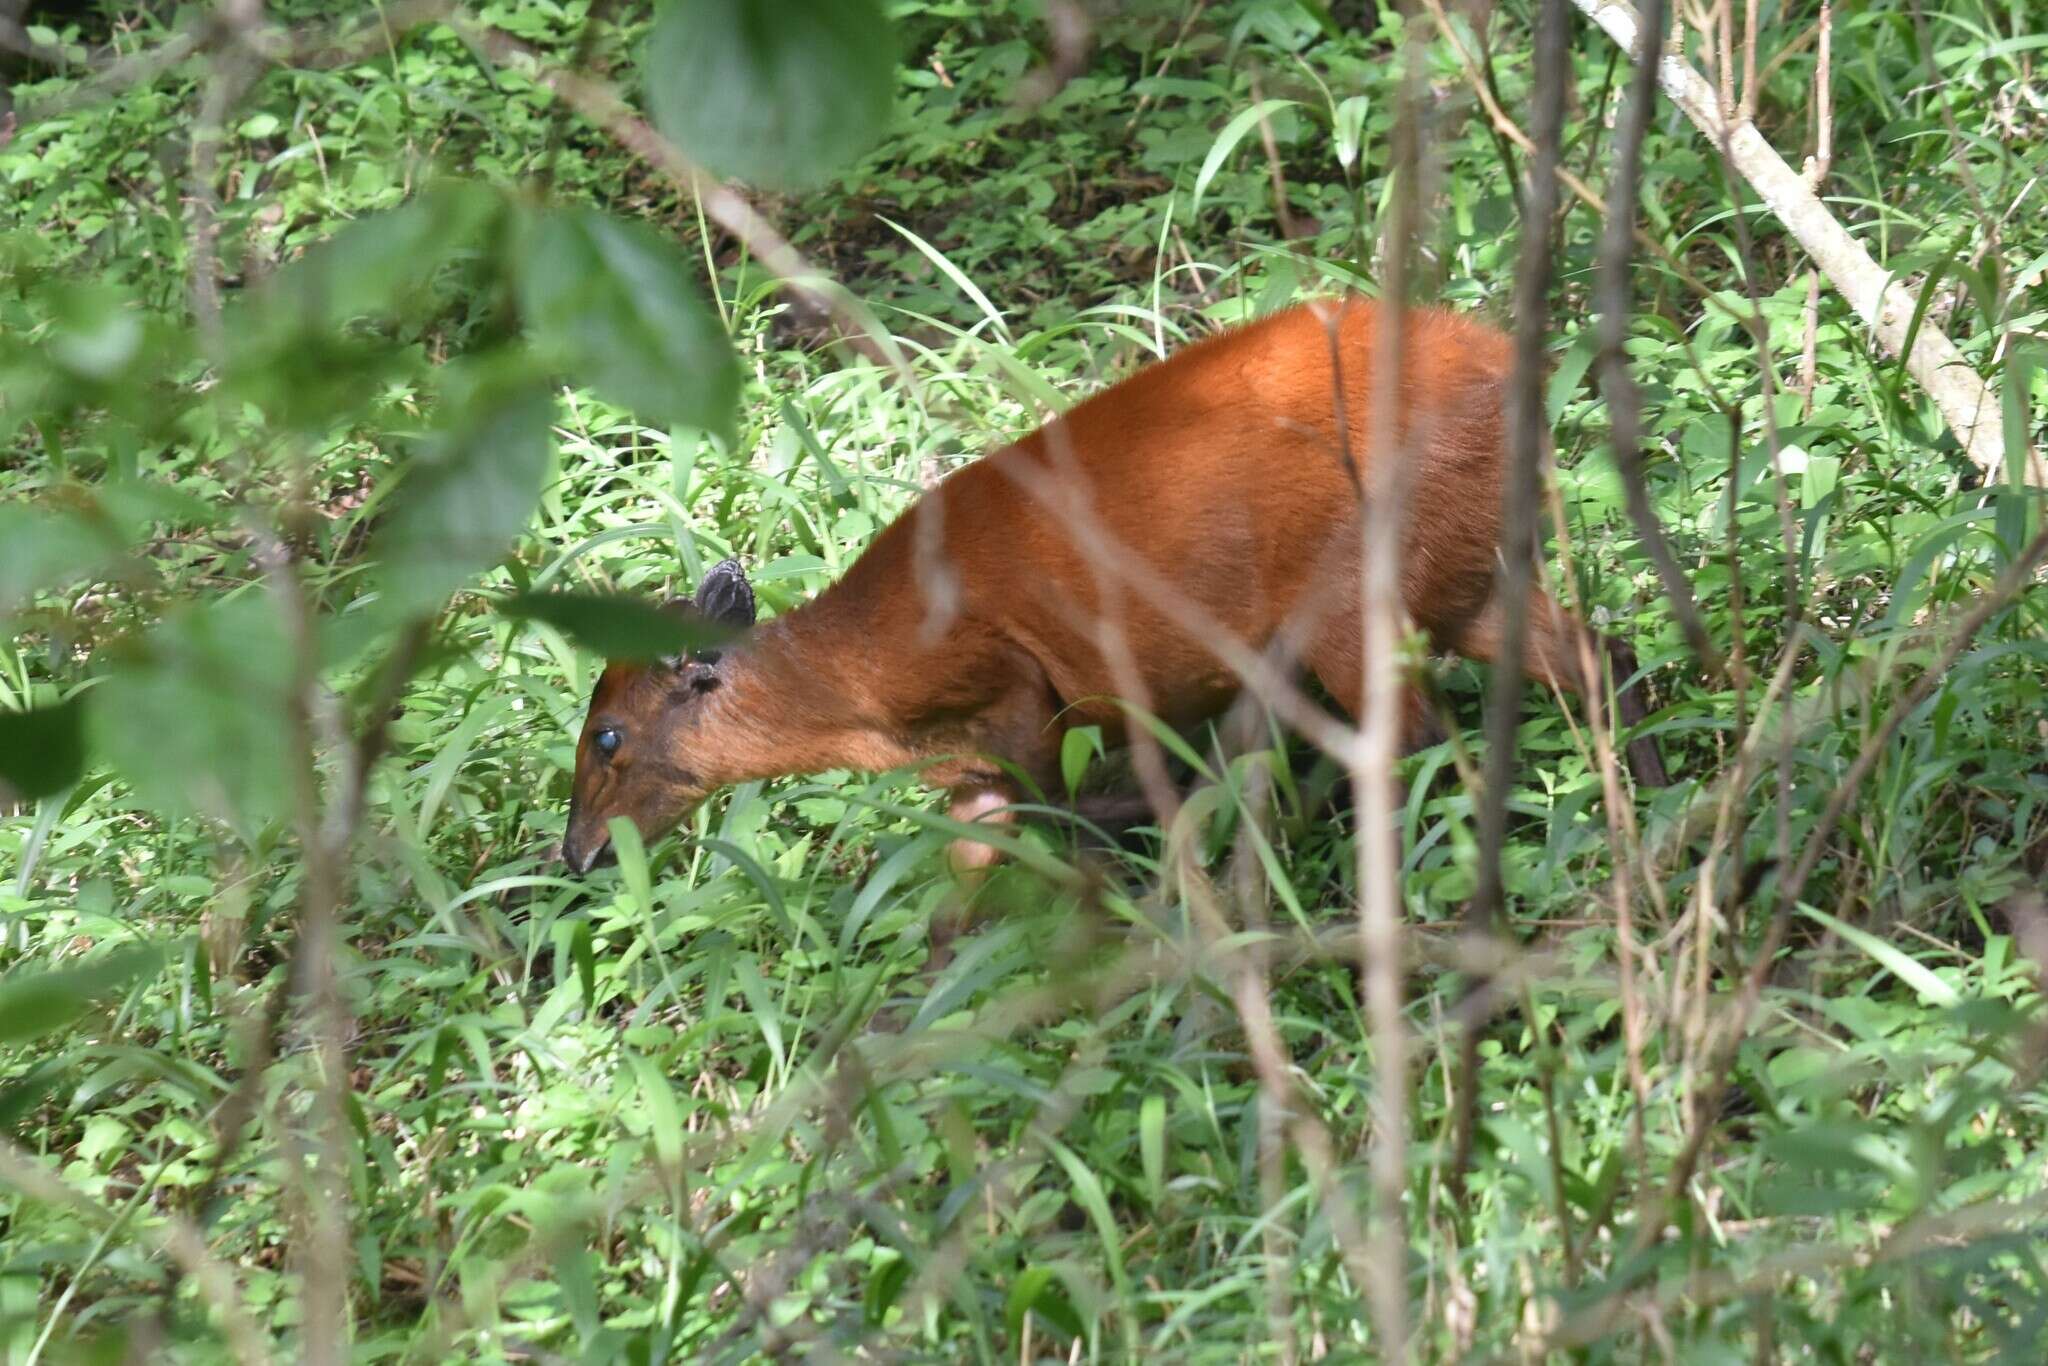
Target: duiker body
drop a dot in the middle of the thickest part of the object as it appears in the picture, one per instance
(983, 623)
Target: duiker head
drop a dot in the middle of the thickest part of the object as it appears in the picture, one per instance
(634, 757)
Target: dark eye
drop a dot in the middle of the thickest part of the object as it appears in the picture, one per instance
(607, 742)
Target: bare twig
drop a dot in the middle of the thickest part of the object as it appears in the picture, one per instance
(1380, 902)
(1624, 401)
(1521, 490)
(1505, 126)
(1817, 167)
(1281, 213)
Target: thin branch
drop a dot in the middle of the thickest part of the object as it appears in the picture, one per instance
(1381, 905)
(1617, 386)
(1521, 490)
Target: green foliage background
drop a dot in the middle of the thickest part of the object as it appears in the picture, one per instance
(471, 348)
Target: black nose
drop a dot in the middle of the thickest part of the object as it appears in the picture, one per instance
(582, 858)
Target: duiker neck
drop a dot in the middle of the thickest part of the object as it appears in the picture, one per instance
(794, 698)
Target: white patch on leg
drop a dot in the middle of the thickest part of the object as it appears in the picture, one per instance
(967, 855)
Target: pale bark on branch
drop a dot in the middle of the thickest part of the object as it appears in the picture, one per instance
(1966, 401)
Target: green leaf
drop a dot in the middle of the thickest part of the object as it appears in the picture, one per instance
(1226, 143)
(42, 752)
(1933, 991)
(1088, 1194)
(195, 718)
(1077, 747)
(1037, 1289)
(664, 1116)
(99, 332)
(46, 547)
(292, 350)
(583, 949)
(611, 302)
(617, 627)
(1152, 1144)
(885, 1283)
(467, 496)
(1350, 128)
(777, 93)
(381, 264)
(34, 1001)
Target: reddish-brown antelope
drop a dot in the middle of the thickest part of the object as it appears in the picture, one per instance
(1211, 496)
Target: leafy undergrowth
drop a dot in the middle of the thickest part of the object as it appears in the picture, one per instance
(716, 1103)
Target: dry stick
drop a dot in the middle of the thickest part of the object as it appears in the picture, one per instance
(1817, 167)
(1522, 488)
(1617, 386)
(1767, 375)
(116, 76)
(175, 1238)
(1724, 64)
(1064, 491)
(1275, 1094)
(1187, 22)
(1271, 144)
(223, 87)
(344, 814)
(1520, 495)
(1787, 52)
(1748, 59)
(1965, 400)
(326, 1268)
(1621, 826)
(2016, 576)
(1482, 77)
(1389, 473)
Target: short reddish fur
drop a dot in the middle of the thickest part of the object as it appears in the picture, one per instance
(1222, 468)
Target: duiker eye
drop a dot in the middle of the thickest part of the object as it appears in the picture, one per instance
(607, 742)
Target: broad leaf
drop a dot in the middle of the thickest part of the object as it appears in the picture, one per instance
(34, 1002)
(195, 717)
(43, 547)
(612, 303)
(42, 752)
(775, 92)
(381, 264)
(293, 353)
(617, 627)
(468, 495)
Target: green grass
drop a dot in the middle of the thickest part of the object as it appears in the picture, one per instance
(713, 1105)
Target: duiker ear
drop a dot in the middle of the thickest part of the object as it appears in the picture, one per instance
(725, 596)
